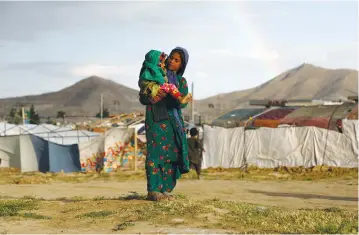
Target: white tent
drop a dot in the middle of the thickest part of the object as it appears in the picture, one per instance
(60, 135)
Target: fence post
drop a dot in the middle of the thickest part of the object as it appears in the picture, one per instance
(135, 143)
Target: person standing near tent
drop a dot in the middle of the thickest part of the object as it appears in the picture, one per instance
(195, 151)
(167, 149)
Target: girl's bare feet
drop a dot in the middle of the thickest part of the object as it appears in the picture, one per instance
(155, 196)
(169, 196)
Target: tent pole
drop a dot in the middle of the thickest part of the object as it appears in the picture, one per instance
(135, 143)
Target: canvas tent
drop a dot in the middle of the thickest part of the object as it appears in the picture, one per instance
(111, 151)
(32, 153)
(322, 116)
(272, 117)
(60, 135)
(273, 147)
(237, 117)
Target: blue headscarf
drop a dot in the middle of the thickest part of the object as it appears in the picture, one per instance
(173, 79)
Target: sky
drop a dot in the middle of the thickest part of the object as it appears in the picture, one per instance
(233, 45)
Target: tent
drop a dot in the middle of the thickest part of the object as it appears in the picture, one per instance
(274, 147)
(60, 135)
(33, 153)
(237, 117)
(322, 116)
(272, 117)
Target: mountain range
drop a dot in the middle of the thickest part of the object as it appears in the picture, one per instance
(83, 98)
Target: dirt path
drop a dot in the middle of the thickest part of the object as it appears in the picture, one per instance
(290, 194)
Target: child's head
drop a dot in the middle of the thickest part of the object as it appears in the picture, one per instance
(193, 132)
(162, 61)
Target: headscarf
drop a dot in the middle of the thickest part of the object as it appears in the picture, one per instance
(150, 70)
(173, 79)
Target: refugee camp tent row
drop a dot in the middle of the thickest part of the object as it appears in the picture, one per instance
(60, 135)
(323, 116)
(33, 153)
(287, 146)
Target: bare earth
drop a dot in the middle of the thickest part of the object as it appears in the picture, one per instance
(290, 194)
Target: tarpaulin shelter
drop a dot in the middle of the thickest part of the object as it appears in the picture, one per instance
(60, 135)
(353, 114)
(272, 117)
(322, 116)
(33, 153)
(274, 147)
(237, 117)
(111, 151)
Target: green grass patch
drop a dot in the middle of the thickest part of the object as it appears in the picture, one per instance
(13, 207)
(35, 216)
(96, 214)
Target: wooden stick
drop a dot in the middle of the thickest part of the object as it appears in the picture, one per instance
(135, 143)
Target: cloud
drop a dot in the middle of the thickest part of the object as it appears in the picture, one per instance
(61, 16)
(256, 54)
(20, 24)
(108, 71)
(201, 74)
(48, 69)
(34, 65)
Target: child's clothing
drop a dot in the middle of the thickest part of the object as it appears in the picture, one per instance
(152, 71)
(195, 149)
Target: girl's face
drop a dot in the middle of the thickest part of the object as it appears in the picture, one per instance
(174, 62)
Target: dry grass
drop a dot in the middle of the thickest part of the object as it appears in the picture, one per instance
(128, 212)
(13, 176)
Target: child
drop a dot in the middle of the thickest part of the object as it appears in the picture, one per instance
(154, 70)
(195, 150)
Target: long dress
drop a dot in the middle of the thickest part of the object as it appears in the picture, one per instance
(167, 150)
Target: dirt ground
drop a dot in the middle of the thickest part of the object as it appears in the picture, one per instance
(341, 194)
(291, 194)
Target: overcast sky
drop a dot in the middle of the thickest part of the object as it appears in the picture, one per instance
(46, 46)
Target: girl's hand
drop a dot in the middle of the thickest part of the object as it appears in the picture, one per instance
(186, 99)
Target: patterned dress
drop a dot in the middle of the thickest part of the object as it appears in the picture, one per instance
(166, 149)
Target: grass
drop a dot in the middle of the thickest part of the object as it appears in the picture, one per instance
(123, 226)
(127, 212)
(35, 216)
(95, 214)
(13, 207)
(13, 176)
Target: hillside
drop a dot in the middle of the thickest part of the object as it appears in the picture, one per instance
(304, 82)
(83, 98)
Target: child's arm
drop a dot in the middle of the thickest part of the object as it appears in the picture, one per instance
(200, 146)
(150, 92)
(172, 90)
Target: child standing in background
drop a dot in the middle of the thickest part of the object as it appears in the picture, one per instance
(195, 150)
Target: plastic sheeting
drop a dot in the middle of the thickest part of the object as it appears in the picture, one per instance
(221, 147)
(353, 115)
(237, 117)
(64, 158)
(273, 147)
(323, 116)
(111, 151)
(10, 152)
(32, 153)
(60, 135)
(272, 117)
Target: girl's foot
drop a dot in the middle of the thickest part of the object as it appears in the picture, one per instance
(169, 196)
(155, 196)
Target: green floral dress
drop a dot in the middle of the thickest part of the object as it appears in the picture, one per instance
(167, 149)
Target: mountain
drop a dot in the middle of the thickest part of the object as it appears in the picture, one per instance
(82, 98)
(303, 82)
